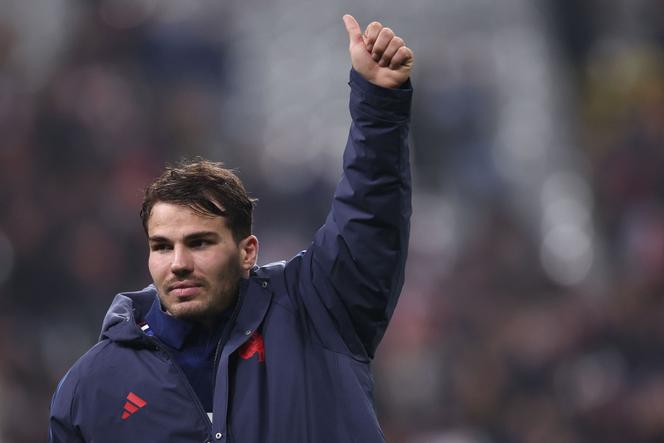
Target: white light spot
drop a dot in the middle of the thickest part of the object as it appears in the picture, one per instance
(566, 254)
(565, 211)
(566, 185)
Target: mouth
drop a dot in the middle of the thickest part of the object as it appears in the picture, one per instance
(184, 289)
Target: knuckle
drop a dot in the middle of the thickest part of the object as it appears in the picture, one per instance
(375, 25)
(388, 32)
(399, 41)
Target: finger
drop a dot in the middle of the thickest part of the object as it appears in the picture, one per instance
(371, 34)
(384, 37)
(403, 56)
(353, 28)
(391, 49)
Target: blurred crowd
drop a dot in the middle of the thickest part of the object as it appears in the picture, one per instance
(493, 340)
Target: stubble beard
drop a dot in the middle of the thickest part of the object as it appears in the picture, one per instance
(206, 307)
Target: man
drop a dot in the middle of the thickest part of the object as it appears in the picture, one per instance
(219, 349)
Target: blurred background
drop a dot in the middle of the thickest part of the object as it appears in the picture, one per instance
(533, 309)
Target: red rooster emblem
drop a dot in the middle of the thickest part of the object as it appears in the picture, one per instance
(254, 345)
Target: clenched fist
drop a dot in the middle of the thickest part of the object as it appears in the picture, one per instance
(378, 55)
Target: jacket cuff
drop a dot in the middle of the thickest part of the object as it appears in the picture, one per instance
(395, 102)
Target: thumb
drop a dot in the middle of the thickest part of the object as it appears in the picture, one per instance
(353, 28)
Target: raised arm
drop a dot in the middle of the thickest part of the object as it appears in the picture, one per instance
(353, 272)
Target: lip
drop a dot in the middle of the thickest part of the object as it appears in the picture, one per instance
(184, 288)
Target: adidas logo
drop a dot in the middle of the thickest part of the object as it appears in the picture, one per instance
(133, 404)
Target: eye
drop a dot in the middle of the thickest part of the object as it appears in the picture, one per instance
(199, 243)
(160, 247)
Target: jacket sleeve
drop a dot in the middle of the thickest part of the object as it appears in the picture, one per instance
(354, 270)
(61, 428)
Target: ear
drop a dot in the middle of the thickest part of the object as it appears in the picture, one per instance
(248, 253)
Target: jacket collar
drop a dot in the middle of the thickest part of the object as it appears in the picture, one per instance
(128, 309)
(120, 322)
(174, 331)
(254, 303)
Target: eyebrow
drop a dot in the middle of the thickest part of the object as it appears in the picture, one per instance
(190, 237)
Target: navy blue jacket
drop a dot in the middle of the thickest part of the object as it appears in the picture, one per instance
(295, 366)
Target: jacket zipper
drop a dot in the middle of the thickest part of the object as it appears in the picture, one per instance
(222, 341)
(226, 334)
(217, 353)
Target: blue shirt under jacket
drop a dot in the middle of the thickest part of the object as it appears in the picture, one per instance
(296, 364)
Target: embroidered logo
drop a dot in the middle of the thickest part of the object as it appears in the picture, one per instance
(133, 404)
(254, 345)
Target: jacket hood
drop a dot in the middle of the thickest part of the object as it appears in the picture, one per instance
(127, 308)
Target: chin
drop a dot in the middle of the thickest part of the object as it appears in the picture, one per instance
(189, 310)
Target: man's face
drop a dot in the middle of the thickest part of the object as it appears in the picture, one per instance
(194, 262)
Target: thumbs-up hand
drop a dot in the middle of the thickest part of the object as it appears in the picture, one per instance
(380, 56)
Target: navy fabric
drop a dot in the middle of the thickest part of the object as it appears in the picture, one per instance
(296, 364)
(192, 347)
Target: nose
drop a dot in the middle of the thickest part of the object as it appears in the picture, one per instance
(182, 263)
